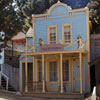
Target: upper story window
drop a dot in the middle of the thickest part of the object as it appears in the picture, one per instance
(67, 34)
(52, 36)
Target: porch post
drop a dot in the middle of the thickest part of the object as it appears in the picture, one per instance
(80, 57)
(33, 71)
(21, 78)
(61, 69)
(43, 82)
(26, 73)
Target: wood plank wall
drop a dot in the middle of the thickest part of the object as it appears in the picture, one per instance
(94, 46)
(13, 74)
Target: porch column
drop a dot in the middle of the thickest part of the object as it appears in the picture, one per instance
(26, 73)
(43, 82)
(21, 78)
(80, 62)
(61, 71)
(33, 71)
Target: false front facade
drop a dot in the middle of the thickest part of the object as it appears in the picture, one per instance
(57, 52)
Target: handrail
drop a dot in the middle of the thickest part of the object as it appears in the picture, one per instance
(94, 96)
(6, 77)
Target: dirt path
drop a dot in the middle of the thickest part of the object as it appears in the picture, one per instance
(11, 96)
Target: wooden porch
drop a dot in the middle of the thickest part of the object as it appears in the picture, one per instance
(36, 86)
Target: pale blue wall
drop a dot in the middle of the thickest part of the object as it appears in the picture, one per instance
(29, 40)
(58, 16)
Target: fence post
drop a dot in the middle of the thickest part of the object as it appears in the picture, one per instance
(0, 78)
(7, 84)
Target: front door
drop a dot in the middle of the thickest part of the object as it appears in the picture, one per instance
(76, 76)
(53, 77)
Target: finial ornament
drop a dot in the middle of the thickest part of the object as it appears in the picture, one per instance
(58, 1)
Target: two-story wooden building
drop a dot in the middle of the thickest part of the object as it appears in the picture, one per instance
(57, 52)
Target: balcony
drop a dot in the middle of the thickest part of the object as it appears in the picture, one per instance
(43, 46)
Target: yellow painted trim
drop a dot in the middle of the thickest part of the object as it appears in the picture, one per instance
(21, 58)
(61, 69)
(73, 16)
(33, 70)
(68, 83)
(80, 64)
(43, 71)
(66, 25)
(83, 63)
(53, 26)
(56, 52)
(21, 73)
(69, 61)
(26, 74)
(21, 78)
(73, 80)
(48, 74)
(33, 34)
(88, 45)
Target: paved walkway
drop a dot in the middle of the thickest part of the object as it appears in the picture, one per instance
(9, 96)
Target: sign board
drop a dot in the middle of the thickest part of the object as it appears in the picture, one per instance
(51, 47)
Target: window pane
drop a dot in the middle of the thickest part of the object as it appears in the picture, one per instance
(53, 35)
(65, 70)
(53, 71)
(40, 70)
(67, 34)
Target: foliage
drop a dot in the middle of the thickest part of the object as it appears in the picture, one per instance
(94, 7)
(9, 21)
(28, 7)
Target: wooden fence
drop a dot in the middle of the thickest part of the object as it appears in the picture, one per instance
(13, 74)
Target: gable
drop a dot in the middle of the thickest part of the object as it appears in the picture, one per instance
(59, 10)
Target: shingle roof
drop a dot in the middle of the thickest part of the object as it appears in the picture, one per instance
(19, 36)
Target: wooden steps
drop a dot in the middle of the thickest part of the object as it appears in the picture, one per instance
(73, 96)
(3, 85)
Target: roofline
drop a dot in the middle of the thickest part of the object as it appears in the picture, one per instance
(57, 4)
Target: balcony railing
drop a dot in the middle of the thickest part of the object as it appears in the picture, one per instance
(76, 44)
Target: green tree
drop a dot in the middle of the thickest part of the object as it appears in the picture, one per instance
(10, 22)
(94, 7)
(28, 7)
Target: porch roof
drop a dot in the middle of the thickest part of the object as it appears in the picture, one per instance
(56, 52)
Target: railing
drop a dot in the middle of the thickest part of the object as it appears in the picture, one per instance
(35, 86)
(75, 45)
(93, 97)
(6, 78)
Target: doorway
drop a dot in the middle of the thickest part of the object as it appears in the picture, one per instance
(76, 76)
(53, 75)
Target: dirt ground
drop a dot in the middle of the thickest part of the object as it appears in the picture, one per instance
(13, 96)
